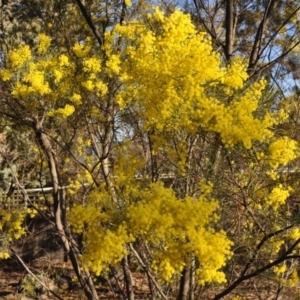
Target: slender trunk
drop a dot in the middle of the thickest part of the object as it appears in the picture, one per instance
(153, 162)
(151, 288)
(256, 49)
(192, 283)
(216, 159)
(229, 29)
(149, 275)
(107, 140)
(184, 284)
(127, 278)
(185, 280)
(60, 216)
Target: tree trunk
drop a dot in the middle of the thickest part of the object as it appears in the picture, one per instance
(184, 284)
(60, 216)
(192, 283)
(229, 29)
(256, 49)
(127, 278)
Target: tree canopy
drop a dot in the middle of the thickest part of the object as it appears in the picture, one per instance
(171, 130)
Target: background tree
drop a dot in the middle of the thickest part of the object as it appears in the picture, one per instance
(265, 33)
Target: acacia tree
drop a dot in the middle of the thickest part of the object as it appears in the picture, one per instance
(265, 33)
(171, 143)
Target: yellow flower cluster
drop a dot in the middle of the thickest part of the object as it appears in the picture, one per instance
(48, 82)
(157, 218)
(74, 186)
(39, 77)
(83, 49)
(64, 60)
(172, 72)
(81, 215)
(31, 212)
(273, 174)
(83, 177)
(236, 123)
(89, 85)
(64, 112)
(4, 255)
(44, 43)
(5, 75)
(278, 196)
(102, 245)
(279, 269)
(113, 64)
(206, 187)
(35, 81)
(236, 73)
(105, 247)
(91, 65)
(19, 56)
(294, 278)
(294, 234)
(282, 151)
(76, 99)
(11, 224)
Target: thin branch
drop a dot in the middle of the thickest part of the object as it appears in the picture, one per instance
(34, 276)
(123, 12)
(229, 29)
(260, 244)
(90, 22)
(283, 257)
(21, 188)
(255, 53)
(211, 31)
(147, 272)
(269, 65)
(278, 30)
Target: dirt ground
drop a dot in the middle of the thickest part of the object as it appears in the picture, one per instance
(12, 276)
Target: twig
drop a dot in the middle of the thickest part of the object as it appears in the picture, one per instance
(35, 277)
(90, 22)
(147, 272)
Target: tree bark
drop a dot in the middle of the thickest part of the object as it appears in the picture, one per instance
(60, 217)
(229, 29)
(192, 279)
(184, 284)
(127, 278)
(256, 49)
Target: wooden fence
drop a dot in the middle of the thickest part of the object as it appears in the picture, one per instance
(41, 240)
(21, 198)
(24, 198)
